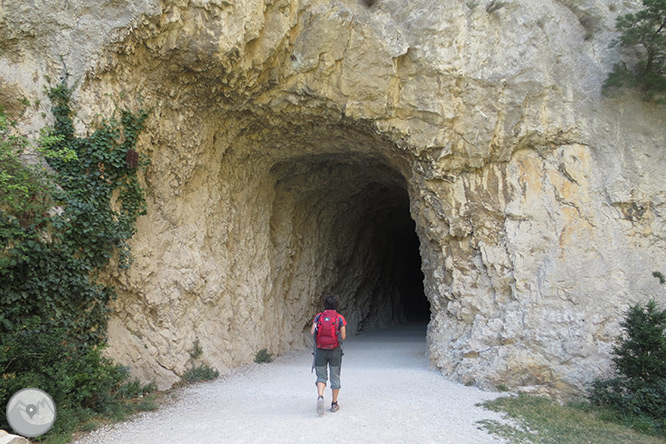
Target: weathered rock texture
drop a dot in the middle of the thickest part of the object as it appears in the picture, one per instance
(458, 151)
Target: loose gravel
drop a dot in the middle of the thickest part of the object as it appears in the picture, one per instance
(390, 394)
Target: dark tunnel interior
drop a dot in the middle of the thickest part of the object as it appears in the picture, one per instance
(350, 216)
(396, 250)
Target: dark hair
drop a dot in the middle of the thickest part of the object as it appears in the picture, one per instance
(331, 302)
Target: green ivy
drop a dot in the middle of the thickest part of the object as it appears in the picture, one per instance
(61, 224)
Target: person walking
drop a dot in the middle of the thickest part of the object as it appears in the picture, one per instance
(328, 330)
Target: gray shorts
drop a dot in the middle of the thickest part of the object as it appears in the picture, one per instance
(332, 359)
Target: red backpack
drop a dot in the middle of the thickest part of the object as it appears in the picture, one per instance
(328, 330)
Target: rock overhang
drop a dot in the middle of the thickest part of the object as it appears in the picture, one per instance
(528, 255)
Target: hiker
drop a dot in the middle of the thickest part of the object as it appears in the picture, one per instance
(329, 330)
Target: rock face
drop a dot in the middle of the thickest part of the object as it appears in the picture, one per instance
(454, 160)
(6, 438)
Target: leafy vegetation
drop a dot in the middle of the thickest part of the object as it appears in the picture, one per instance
(263, 357)
(630, 407)
(61, 223)
(644, 31)
(538, 420)
(200, 373)
(637, 393)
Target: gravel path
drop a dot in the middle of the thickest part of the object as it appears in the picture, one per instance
(390, 394)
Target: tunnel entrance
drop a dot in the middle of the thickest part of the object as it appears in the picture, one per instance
(409, 276)
(396, 257)
(349, 218)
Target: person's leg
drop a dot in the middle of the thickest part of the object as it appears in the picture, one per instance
(334, 365)
(321, 369)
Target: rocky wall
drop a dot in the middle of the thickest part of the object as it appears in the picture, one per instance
(297, 146)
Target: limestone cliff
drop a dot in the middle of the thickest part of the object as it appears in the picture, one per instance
(458, 151)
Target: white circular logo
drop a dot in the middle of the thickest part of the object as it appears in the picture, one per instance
(31, 412)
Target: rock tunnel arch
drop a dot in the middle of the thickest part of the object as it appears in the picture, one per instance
(336, 217)
(249, 229)
(497, 168)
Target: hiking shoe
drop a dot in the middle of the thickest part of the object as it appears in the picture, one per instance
(320, 406)
(335, 407)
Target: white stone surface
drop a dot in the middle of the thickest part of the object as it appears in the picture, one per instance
(8, 438)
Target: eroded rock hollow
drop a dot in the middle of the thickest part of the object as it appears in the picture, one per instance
(453, 162)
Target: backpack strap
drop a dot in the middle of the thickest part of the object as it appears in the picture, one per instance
(314, 342)
(339, 332)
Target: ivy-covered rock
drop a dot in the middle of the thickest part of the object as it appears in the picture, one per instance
(59, 227)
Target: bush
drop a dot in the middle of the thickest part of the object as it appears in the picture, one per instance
(263, 357)
(79, 379)
(200, 373)
(645, 31)
(59, 227)
(639, 388)
(641, 355)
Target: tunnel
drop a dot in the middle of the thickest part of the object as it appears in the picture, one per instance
(249, 229)
(252, 219)
(345, 217)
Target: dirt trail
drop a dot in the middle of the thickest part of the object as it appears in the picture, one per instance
(390, 394)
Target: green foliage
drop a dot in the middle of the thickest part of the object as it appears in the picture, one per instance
(646, 32)
(55, 240)
(60, 225)
(638, 390)
(22, 195)
(642, 353)
(196, 351)
(63, 364)
(81, 381)
(545, 421)
(263, 357)
(200, 373)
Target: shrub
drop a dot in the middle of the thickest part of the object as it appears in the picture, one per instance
(646, 32)
(79, 379)
(641, 354)
(59, 227)
(200, 373)
(263, 357)
(639, 388)
(196, 351)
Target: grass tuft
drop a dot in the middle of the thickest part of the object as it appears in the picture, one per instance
(537, 420)
(263, 357)
(200, 373)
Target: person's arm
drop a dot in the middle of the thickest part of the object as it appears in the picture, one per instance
(314, 325)
(343, 332)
